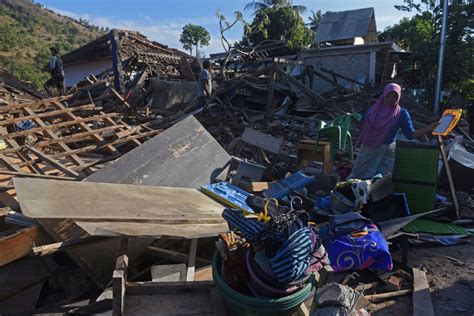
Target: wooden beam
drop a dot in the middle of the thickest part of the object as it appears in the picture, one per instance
(113, 123)
(34, 175)
(422, 304)
(17, 245)
(32, 115)
(22, 156)
(67, 245)
(387, 295)
(309, 92)
(449, 175)
(119, 281)
(53, 135)
(77, 137)
(59, 125)
(53, 162)
(192, 260)
(9, 163)
(85, 127)
(36, 104)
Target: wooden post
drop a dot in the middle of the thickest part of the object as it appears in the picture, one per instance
(119, 280)
(192, 260)
(450, 177)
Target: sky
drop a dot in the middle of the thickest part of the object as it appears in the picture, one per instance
(163, 20)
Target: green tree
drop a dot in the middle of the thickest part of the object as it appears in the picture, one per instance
(280, 23)
(194, 36)
(259, 6)
(420, 35)
(315, 20)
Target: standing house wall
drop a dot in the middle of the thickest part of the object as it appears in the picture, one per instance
(75, 72)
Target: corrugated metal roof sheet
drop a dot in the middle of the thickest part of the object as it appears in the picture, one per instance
(344, 25)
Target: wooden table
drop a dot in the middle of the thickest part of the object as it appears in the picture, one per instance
(306, 151)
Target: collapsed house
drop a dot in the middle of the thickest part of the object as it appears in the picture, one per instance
(127, 50)
(115, 204)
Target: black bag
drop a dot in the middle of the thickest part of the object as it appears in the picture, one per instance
(341, 225)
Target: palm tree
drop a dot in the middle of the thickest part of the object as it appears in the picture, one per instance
(314, 20)
(258, 6)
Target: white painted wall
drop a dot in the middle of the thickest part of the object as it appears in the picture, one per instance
(73, 73)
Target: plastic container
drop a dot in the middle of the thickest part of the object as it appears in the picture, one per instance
(415, 162)
(243, 305)
(421, 198)
(284, 187)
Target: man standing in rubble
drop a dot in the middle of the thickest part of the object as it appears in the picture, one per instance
(55, 67)
(204, 85)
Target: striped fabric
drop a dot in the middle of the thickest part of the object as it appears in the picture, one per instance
(293, 258)
(250, 228)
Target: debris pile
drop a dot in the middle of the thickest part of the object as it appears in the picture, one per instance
(241, 205)
(14, 90)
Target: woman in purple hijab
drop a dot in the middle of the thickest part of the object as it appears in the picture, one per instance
(379, 131)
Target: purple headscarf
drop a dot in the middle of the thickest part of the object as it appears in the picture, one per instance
(380, 118)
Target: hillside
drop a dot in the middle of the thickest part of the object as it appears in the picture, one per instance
(27, 30)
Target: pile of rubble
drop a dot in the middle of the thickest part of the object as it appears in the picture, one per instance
(155, 180)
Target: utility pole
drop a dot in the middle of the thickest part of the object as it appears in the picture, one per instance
(442, 49)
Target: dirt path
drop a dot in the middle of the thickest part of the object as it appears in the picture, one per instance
(451, 280)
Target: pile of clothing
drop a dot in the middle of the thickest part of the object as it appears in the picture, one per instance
(275, 246)
(272, 252)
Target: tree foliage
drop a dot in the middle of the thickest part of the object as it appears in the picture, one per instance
(259, 6)
(315, 20)
(27, 30)
(421, 34)
(194, 36)
(280, 23)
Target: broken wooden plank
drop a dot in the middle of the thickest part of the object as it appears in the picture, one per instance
(387, 295)
(262, 140)
(66, 245)
(70, 199)
(17, 245)
(422, 304)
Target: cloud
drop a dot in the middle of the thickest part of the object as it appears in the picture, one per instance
(166, 31)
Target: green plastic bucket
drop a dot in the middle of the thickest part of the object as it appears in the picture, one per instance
(243, 305)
